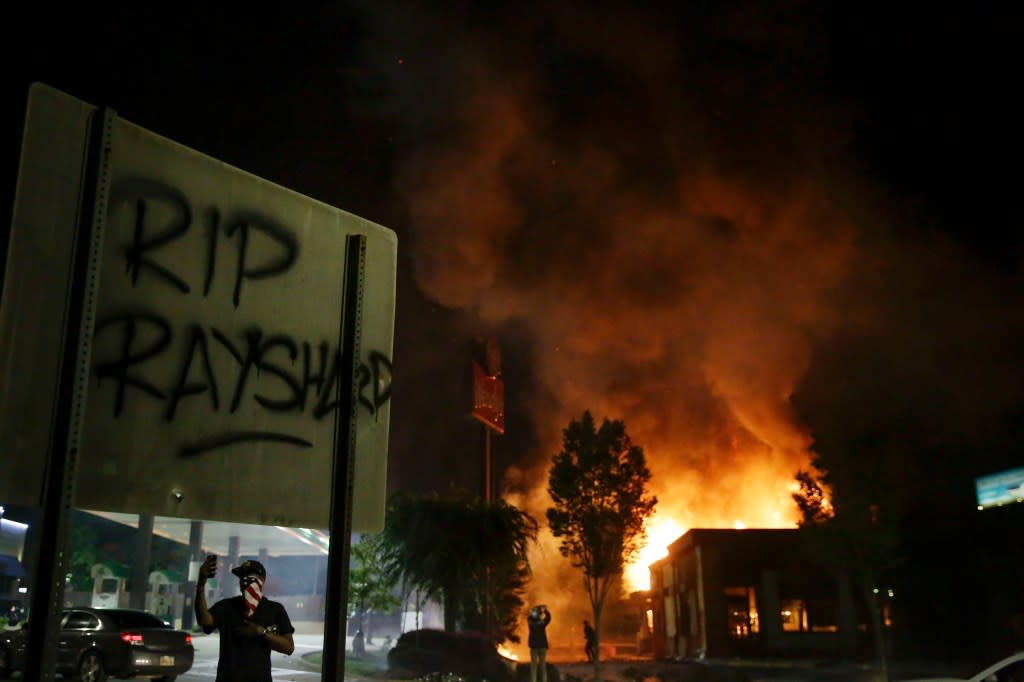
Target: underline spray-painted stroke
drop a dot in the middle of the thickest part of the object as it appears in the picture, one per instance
(229, 439)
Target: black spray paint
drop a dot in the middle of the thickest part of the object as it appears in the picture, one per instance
(295, 375)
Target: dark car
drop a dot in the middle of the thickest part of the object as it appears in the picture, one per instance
(98, 643)
(474, 656)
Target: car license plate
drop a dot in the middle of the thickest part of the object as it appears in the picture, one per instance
(167, 660)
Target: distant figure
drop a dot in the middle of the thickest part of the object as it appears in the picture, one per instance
(358, 644)
(250, 626)
(590, 638)
(538, 621)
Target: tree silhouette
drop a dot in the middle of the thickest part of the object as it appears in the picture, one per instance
(857, 532)
(598, 484)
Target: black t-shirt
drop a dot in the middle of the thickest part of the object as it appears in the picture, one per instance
(246, 659)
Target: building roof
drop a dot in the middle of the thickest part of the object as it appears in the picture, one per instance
(744, 539)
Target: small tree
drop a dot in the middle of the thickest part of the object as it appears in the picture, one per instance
(371, 586)
(598, 484)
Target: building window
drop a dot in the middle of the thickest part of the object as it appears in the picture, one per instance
(794, 615)
(741, 611)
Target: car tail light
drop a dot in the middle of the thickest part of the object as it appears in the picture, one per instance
(133, 638)
(188, 639)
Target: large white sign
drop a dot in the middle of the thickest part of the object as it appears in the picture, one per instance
(215, 342)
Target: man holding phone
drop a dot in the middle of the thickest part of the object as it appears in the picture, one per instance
(537, 622)
(250, 625)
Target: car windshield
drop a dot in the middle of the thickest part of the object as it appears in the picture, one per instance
(136, 619)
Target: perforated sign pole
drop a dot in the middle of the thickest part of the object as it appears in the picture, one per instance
(62, 453)
(344, 461)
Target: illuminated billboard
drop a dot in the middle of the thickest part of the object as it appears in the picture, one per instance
(1005, 487)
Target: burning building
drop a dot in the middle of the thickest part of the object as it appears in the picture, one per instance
(748, 592)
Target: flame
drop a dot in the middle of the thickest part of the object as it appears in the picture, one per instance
(759, 503)
(507, 653)
(754, 491)
(661, 532)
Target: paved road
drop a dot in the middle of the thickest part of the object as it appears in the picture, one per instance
(739, 670)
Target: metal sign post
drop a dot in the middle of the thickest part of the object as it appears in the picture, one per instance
(344, 460)
(62, 453)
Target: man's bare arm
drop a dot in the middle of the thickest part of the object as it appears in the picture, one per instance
(278, 642)
(203, 616)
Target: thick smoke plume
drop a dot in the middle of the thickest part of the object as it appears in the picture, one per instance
(666, 204)
(664, 229)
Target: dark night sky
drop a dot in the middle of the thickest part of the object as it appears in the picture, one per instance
(741, 227)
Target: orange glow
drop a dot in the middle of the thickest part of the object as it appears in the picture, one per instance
(712, 302)
(752, 487)
(756, 498)
(661, 532)
(507, 653)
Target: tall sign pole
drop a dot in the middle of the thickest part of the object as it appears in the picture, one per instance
(488, 483)
(488, 402)
(62, 454)
(344, 462)
(489, 409)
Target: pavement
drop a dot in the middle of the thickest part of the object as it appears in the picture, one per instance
(299, 668)
(309, 642)
(751, 670)
(647, 670)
